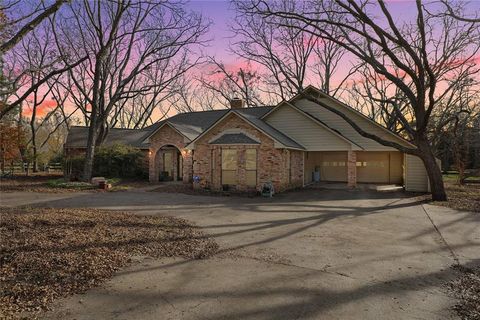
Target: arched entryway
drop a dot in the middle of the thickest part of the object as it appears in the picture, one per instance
(169, 164)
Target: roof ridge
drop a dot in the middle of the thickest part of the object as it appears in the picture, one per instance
(113, 128)
(226, 109)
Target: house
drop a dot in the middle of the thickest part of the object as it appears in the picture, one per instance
(291, 145)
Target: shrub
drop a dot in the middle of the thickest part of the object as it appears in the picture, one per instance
(118, 160)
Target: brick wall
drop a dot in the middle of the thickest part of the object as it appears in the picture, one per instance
(272, 165)
(168, 136)
(296, 167)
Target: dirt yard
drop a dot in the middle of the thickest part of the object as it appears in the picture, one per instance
(466, 197)
(54, 183)
(50, 253)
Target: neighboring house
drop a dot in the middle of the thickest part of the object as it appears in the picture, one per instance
(290, 145)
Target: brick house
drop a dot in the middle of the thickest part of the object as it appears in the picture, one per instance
(290, 145)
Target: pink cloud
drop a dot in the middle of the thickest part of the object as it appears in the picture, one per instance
(42, 109)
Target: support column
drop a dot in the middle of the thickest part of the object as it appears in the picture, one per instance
(352, 169)
(187, 166)
(152, 165)
(175, 164)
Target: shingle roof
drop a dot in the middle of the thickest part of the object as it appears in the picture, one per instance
(234, 138)
(190, 124)
(77, 137)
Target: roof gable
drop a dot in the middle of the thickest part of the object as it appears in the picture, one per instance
(338, 123)
(307, 129)
(281, 140)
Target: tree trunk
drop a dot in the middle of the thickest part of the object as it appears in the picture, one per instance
(34, 160)
(90, 152)
(433, 170)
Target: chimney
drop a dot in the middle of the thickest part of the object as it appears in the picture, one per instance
(237, 103)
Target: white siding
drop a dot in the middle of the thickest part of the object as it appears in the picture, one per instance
(416, 178)
(336, 122)
(304, 130)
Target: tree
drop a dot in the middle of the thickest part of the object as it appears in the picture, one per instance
(35, 56)
(420, 57)
(288, 55)
(229, 83)
(20, 26)
(123, 41)
(11, 135)
(378, 98)
(192, 95)
(454, 128)
(456, 11)
(16, 24)
(283, 52)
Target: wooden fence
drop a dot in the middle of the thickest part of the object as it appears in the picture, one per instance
(19, 167)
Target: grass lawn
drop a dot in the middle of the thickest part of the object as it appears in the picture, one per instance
(51, 253)
(452, 177)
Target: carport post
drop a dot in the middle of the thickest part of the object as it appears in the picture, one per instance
(352, 169)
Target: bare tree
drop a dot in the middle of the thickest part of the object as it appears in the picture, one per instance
(454, 127)
(19, 23)
(161, 83)
(192, 95)
(35, 56)
(457, 11)
(124, 40)
(283, 52)
(419, 57)
(19, 26)
(379, 99)
(229, 83)
(290, 56)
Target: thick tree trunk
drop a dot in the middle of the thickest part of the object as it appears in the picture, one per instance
(90, 152)
(433, 171)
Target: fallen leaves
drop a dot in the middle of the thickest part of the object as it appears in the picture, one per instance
(467, 289)
(466, 197)
(50, 253)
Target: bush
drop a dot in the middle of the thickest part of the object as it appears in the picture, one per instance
(112, 161)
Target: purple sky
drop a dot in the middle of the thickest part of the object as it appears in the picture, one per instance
(220, 12)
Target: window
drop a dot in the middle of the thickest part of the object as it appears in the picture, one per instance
(251, 167)
(229, 166)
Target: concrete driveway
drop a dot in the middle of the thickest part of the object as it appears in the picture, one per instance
(310, 254)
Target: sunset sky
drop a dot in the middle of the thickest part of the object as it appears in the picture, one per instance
(221, 14)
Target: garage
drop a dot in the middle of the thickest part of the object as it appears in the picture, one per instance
(330, 166)
(380, 167)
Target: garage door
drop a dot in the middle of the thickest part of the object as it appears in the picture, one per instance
(379, 167)
(333, 166)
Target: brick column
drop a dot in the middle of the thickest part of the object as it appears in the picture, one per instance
(175, 164)
(187, 166)
(152, 165)
(352, 169)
